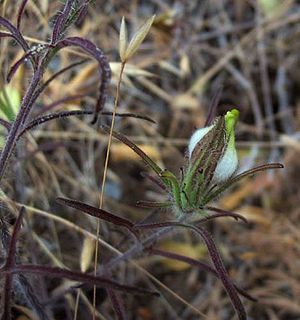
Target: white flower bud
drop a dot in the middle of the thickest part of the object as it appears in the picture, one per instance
(227, 161)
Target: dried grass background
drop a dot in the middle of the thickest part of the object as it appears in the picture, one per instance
(193, 48)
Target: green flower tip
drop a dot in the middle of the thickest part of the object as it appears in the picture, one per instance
(231, 118)
(228, 163)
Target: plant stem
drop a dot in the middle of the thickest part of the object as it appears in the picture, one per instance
(22, 115)
(139, 247)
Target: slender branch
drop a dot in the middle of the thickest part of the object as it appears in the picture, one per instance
(101, 197)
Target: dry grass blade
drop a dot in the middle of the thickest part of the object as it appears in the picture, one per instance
(138, 38)
(123, 40)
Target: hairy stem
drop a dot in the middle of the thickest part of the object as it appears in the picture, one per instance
(20, 119)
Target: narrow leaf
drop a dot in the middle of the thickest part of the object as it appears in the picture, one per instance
(21, 12)
(58, 102)
(16, 65)
(5, 34)
(98, 213)
(54, 272)
(5, 124)
(11, 255)
(215, 257)
(116, 302)
(103, 67)
(213, 194)
(64, 114)
(136, 149)
(213, 107)
(152, 204)
(196, 263)
(16, 34)
(252, 171)
(60, 21)
(155, 180)
(221, 213)
(10, 263)
(56, 115)
(7, 297)
(43, 86)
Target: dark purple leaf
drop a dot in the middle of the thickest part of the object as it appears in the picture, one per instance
(63, 114)
(5, 124)
(81, 14)
(21, 12)
(60, 101)
(7, 297)
(129, 115)
(215, 257)
(116, 301)
(212, 111)
(221, 213)
(104, 68)
(57, 115)
(154, 180)
(117, 305)
(252, 171)
(16, 34)
(11, 254)
(156, 225)
(10, 263)
(61, 21)
(220, 188)
(5, 34)
(223, 275)
(196, 263)
(98, 213)
(39, 89)
(152, 204)
(16, 65)
(135, 149)
(87, 279)
(54, 76)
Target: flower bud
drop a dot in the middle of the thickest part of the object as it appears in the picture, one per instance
(212, 149)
